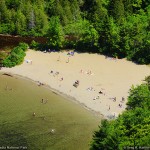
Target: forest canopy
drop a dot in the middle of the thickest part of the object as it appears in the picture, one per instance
(118, 28)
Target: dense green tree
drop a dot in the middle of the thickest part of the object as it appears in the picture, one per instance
(20, 23)
(139, 97)
(50, 7)
(135, 38)
(116, 9)
(41, 22)
(128, 9)
(67, 10)
(113, 39)
(61, 13)
(75, 10)
(55, 33)
(83, 35)
(4, 17)
(89, 39)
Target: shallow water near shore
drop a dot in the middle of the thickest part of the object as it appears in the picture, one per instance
(58, 123)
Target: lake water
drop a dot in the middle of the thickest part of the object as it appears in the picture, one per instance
(58, 123)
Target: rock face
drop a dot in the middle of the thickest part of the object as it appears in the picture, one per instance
(11, 41)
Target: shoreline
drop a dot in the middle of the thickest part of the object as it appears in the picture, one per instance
(55, 91)
(58, 71)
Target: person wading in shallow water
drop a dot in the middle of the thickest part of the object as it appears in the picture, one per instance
(33, 114)
(42, 100)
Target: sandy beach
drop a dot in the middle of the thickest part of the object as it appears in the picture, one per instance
(95, 73)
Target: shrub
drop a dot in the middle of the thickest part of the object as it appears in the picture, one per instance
(16, 56)
(34, 45)
(23, 46)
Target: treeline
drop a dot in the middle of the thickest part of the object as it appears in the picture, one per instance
(119, 28)
(131, 130)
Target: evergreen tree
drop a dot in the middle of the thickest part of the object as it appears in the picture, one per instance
(128, 9)
(5, 14)
(75, 10)
(116, 9)
(67, 10)
(55, 33)
(20, 23)
(41, 21)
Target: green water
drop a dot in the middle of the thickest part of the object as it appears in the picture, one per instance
(19, 98)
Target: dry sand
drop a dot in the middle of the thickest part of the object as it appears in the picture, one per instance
(113, 77)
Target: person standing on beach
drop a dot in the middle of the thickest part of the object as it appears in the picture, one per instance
(67, 60)
(58, 58)
(123, 99)
(62, 79)
(114, 99)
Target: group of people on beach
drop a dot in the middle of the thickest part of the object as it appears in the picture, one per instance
(101, 92)
(40, 83)
(56, 73)
(98, 96)
(88, 72)
(114, 100)
(76, 83)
